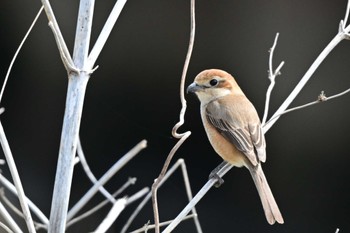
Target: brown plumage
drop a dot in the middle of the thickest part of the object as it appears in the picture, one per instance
(234, 130)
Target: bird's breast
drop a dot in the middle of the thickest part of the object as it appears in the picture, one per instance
(223, 147)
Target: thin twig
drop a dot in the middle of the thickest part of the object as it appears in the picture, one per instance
(320, 99)
(182, 137)
(17, 52)
(89, 173)
(107, 176)
(16, 179)
(272, 76)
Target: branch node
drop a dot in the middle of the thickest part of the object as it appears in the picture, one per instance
(322, 97)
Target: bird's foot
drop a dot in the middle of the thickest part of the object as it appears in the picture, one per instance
(219, 180)
(214, 174)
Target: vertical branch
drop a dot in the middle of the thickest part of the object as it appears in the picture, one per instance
(272, 76)
(334, 42)
(77, 82)
(182, 137)
(343, 33)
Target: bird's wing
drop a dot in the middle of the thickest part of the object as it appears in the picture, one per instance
(237, 129)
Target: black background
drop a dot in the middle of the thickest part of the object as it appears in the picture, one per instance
(134, 96)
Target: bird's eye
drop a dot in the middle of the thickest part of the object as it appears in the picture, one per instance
(213, 82)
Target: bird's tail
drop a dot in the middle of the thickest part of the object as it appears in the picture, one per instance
(269, 204)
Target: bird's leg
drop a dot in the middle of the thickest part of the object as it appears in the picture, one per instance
(214, 174)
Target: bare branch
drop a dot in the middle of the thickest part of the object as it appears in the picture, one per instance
(320, 99)
(106, 30)
(342, 34)
(117, 208)
(152, 226)
(272, 76)
(7, 229)
(182, 137)
(197, 198)
(108, 175)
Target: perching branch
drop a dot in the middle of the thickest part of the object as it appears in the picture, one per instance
(342, 34)
(183, 136)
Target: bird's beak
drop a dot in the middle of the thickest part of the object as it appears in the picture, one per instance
(193, 88)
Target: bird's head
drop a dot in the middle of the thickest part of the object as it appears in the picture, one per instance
(212, 84)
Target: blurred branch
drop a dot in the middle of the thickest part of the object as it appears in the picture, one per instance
(130, 181)
(117, 208)
(7, 217)
(16, 179)
(32, 206)
(182, 137)
(6, 228)
(108, 175)
(17, 211)
(148, 226)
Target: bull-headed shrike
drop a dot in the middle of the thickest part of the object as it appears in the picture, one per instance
(234, 130)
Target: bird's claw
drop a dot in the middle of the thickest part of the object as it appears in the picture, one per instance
(219, 180)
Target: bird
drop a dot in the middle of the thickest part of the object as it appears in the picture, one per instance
(233, 127)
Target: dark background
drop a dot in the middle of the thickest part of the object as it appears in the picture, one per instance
(134, 96)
